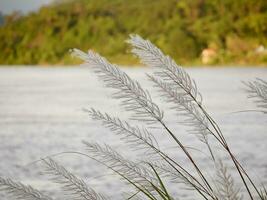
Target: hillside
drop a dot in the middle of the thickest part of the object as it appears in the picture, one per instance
(232, 29)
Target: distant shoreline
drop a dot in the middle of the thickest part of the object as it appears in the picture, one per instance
(134, 66)
(192, 33)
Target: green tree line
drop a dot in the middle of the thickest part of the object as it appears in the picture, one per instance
(232, 29)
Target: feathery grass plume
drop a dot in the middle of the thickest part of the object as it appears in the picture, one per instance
(176, 85)
(175, 77)
(141, 139)
(173, 81)
(193, 117)
(134, 97)
(71, 184)
(226, 188)
(136, 172)
(179, 81)
(172, 73)
(138, 138)
(20, 191)
(257, 90)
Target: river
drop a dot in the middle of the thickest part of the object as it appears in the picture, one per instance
(41, 114)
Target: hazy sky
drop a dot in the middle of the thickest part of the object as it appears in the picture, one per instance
(8, 6)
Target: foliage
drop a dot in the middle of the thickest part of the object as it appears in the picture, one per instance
(181, 28)
(149, 178)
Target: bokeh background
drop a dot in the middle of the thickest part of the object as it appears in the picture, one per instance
(43, 89)
(197, 32)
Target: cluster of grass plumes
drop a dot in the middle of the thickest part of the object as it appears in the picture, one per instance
(150, 178)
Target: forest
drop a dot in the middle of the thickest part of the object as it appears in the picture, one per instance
(235, 31)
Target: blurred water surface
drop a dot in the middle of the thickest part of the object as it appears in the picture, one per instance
(41, 114)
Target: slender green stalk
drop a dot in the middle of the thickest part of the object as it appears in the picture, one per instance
(190, 158)
(222, 141)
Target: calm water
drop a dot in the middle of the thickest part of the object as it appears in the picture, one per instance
(41, 114)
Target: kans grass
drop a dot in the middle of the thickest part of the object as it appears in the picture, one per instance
(149, 178)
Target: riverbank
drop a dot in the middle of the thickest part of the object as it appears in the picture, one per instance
(226, 32)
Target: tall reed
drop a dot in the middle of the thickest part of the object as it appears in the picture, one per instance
(150, 178)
